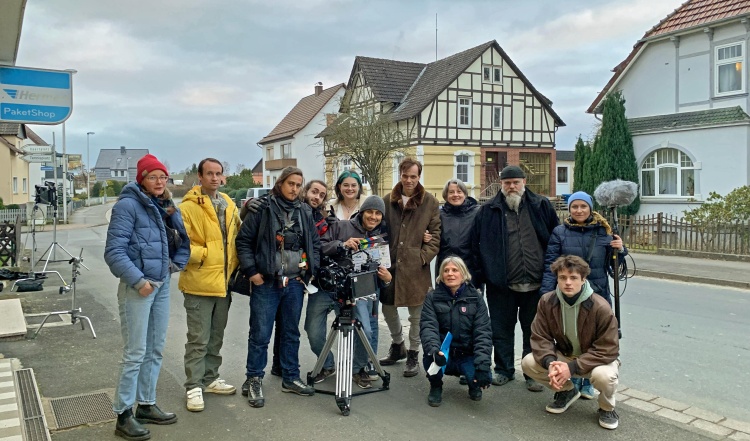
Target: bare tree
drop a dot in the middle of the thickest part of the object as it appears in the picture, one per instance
(369, 139)
(226, 164)
(238, 168)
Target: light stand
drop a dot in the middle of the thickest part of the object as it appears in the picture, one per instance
(75, 313)
(344, 327)
(51, 249)
(32, 274)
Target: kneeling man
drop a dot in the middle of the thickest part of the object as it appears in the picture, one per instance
(574, 334)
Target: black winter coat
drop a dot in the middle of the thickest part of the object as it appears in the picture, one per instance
(256, 243)
(489, 236)
(576, 240)
(455, 238)
(465, 317)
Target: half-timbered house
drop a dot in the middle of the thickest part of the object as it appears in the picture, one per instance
(466, 116)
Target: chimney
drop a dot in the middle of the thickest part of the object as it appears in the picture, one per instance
(122, 150)
(318, 88)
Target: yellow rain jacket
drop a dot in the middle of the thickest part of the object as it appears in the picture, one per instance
(207, 273)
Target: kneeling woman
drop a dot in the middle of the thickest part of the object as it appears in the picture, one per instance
(457, 307)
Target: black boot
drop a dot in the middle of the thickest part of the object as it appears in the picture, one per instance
(152, 414)
(435, 398)
(395, 353)
(129, 428)
(412, 364)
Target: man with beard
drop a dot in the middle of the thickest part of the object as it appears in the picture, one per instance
(508, 239)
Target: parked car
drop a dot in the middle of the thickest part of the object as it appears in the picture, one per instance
(253, 193)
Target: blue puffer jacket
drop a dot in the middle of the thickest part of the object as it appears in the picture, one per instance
(136, 248)
(573, 239)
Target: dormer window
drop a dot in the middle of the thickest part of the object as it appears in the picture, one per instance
(730, 69)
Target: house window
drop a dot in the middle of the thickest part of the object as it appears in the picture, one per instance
(15, 185)
(462, 167)
(397, 158)
(730, 69)
(562, 175)
(464, 112)
(25, 187)
(497, 118)
(497, 75)
(486, 74)
(268, 181)
(286, 151)
(537, 168)
(269, 153)
(667, 172)
(346, 162)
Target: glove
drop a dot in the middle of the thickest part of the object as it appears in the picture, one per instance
(439, 359)
(256, 205)
(331, 218)
(482, 378)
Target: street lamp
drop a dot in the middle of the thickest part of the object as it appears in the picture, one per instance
(88, 173)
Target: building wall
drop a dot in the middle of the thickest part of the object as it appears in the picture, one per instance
(649, 84)
(721, 154)
(564, 187)
(12, 166)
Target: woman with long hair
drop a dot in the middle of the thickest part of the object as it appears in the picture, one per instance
(348, 191)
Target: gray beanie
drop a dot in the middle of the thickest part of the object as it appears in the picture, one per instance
(512, 172)
(373, 203)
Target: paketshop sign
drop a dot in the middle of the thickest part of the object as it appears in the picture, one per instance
(35, 96)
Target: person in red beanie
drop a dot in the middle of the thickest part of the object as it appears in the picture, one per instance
(144, 266)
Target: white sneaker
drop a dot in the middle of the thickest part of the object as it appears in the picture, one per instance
(195, 400)
(221, 387)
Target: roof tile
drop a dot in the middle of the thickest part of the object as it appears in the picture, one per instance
(701, 118)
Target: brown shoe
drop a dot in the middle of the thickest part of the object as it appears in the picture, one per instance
(412, 364)
(395, 353)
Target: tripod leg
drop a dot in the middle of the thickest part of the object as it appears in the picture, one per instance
(323, 354)
(91, 327)
(344, 370)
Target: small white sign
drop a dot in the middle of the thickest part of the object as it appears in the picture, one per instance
(37, 158)
(46, 149)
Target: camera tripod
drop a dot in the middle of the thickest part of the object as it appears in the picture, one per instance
(344, 326)
(75, 313)
(50, 251)
(33, 274)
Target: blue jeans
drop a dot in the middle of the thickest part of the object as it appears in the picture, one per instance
(456, 366)
(265, 301)
(366, 312)
(319, 305)
(143, 322)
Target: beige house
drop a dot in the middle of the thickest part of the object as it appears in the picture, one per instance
(15, 183)
(465, 116)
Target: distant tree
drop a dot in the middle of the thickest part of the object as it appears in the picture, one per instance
(194, 169)
(616, 159)
(369, 139)
(2, 206)
(227, 168)
(96, 190)
(590, 167)
(114, 187)
(583, 151)
(238, 168)
(242, 180)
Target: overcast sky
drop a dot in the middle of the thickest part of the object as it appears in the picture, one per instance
(192, 78)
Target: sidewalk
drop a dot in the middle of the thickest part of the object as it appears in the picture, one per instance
(689, 269)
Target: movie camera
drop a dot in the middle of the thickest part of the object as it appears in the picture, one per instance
(350, 274)
(46, 194)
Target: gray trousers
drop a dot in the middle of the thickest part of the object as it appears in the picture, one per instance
(206, 320)
(604, 378)
(390, 313)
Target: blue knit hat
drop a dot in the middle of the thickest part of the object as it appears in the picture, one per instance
(580, 196)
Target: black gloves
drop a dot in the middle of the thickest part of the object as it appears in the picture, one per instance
(256, 205)
(482, 378)
(439, 358)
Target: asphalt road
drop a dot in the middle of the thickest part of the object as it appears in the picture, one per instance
(681, 341)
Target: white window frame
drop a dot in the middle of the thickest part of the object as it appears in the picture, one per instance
(286, 150)
(467, 107)
(469, 162)
(269, 153)
(656, 168)
(494, 125)
(25, 186)
(113, 173)
(496, 70)
(718, 63)
(487, 68)
(15, 185)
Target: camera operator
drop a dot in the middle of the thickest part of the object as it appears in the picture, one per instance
(346, 234)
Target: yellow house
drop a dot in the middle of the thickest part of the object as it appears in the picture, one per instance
(465, 116)
(15, 185)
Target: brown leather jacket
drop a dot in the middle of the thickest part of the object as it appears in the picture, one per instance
(597, 333)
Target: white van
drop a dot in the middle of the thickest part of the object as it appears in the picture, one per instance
(255, 192)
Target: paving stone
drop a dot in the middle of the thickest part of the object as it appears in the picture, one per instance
(740, 436)
(619, 398)
(621, 388)
(675, 416)
(711, 427)
(644, 396)
(703, 414)
(642, 405)
(736, 425)
(674, 405)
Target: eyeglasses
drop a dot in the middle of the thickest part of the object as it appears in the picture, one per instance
(154, 178)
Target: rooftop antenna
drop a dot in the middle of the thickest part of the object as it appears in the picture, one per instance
(436, 41)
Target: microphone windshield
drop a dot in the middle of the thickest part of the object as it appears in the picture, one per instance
(617, 193)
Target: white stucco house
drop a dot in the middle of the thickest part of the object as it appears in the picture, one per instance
(686, 89)
(566, 163)
(292, 142)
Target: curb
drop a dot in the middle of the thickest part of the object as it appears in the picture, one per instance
(692, 279)
(10, 415)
